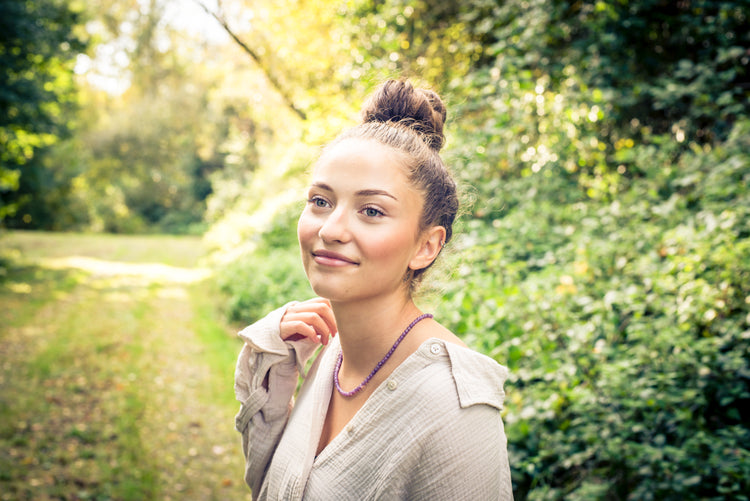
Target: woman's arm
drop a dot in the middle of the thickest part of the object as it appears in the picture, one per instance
(275, 352)
(465, 459)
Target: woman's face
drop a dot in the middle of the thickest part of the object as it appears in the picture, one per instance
(359, 232)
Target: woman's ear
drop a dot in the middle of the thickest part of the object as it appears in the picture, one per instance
(430, 244)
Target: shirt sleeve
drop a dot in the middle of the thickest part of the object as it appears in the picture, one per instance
(471, 448)
(265, 380)
(470, 462)
(462, 450)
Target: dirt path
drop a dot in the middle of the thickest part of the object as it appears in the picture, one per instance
(116, 376)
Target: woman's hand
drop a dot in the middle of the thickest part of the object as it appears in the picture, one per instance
(312, 319)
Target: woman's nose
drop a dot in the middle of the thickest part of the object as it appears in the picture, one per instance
(335, 228)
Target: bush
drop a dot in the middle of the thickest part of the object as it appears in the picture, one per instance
(261, 282)
(625, 324)
(270, 276)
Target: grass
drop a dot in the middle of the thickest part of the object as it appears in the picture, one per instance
(115, 381)
(220, 350)
(173, 250)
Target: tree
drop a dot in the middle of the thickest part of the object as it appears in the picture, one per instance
(39, 42)
(146, 147)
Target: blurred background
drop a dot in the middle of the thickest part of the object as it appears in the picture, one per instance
(155, 151)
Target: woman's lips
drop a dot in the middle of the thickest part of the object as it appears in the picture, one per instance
(329, 258)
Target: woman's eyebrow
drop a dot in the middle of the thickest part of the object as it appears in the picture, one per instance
(369, 193)
(322, 186)
(360, 193)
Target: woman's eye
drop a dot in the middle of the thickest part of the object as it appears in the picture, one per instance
(372, 212)
(318, 202)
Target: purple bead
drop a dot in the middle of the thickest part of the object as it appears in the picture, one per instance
(379, 364)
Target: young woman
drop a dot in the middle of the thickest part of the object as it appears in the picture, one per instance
(395, 406)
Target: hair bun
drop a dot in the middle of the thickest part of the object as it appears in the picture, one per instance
(419, 109)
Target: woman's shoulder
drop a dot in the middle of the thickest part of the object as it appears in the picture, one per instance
(441, 332)
(473, 378)
(479, 379)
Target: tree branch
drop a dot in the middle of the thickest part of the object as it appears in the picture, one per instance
(254, 55)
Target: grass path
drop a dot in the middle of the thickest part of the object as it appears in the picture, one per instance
(115, 373)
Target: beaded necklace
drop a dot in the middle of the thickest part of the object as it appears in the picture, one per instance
(378, 366)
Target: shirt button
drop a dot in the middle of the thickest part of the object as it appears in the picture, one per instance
(392, 385)
(350, 428)
(435, 349)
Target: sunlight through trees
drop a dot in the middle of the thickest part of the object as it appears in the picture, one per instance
(602, 147)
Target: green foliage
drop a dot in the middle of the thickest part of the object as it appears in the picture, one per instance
(261, 282)
(267, 278)
(141, 161)
(144, 172)
(661, 63)
(424, 39)
(625, 324)
(38, 46)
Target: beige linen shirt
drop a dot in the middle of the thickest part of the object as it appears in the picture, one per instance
(432, 430)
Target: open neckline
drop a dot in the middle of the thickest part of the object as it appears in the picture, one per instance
(421, 353)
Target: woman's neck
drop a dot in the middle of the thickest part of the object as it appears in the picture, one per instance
(367, 331)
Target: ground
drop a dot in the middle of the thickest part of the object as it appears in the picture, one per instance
(115, 371)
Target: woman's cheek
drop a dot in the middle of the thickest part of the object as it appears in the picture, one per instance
(305, 228)
(389, 247)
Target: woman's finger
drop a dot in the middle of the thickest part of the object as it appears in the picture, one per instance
(310, 319)
(320, 306)
(294, 328)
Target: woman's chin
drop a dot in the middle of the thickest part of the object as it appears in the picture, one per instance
(335, 293)
(325, 291)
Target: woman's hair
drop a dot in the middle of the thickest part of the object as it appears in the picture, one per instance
(411, 121)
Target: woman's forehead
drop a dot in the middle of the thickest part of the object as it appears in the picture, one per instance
(358, 162)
